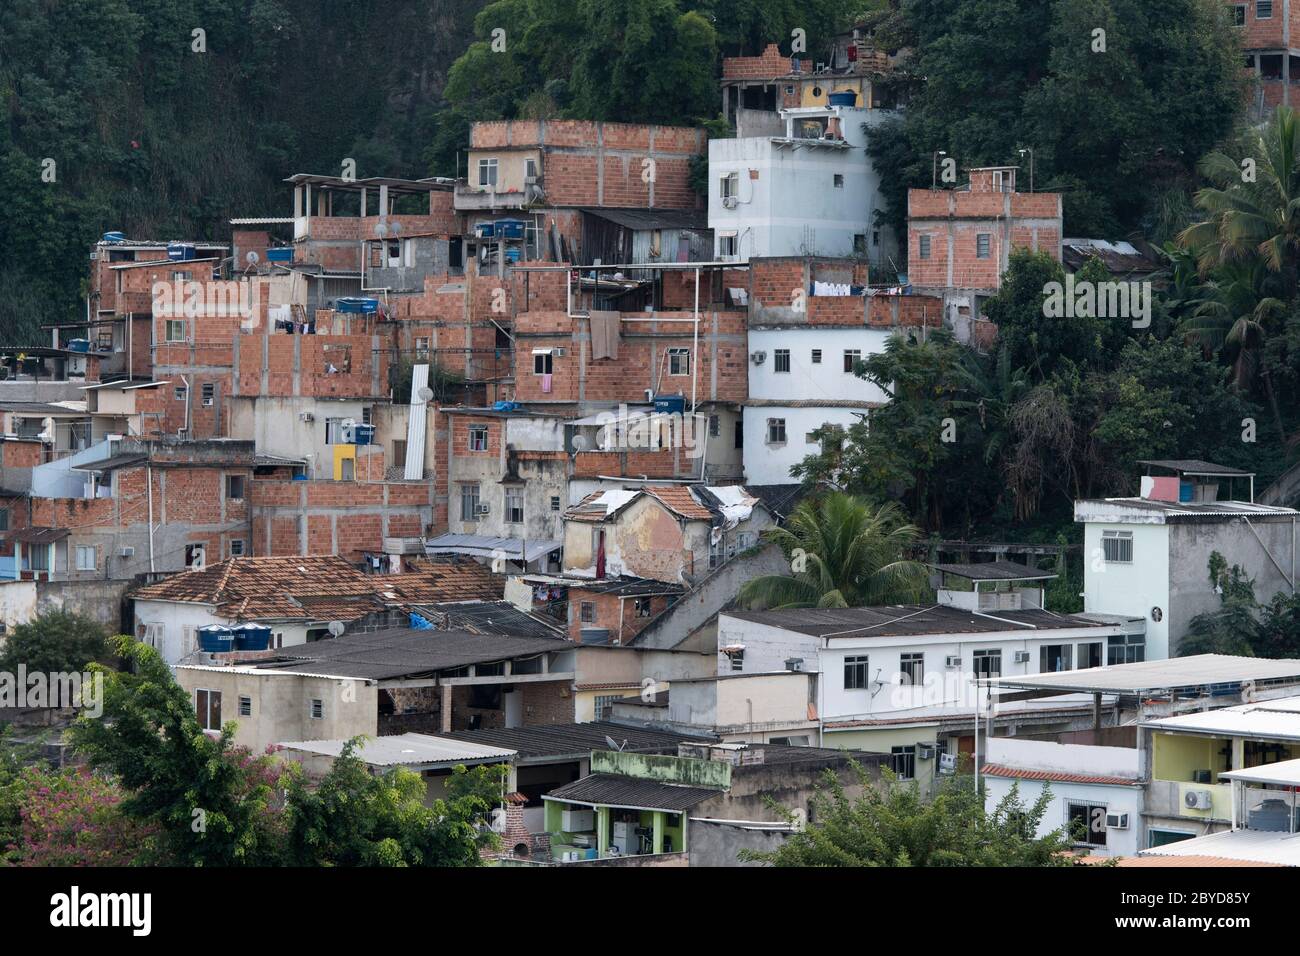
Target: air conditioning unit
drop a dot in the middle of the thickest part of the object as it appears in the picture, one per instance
(924, 752)
(947, 763)
(306, 417)
(1197, 799)
(758, 358)
(952, 660)
(1022, 657)
(482, 509)
(730, 202)
(1117, 821)
(127, 552)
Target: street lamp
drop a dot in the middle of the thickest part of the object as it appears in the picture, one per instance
(934, 168)
(1031, 166)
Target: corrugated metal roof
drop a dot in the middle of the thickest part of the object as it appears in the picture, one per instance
(577, 740)
(653, 218)
(1273, 719)
(404, 750)
(1257, 846)
(1283, 773)
(1195, 466)
(994, 571)
(907, 620)
(478, 545)
(611, 790)
(1172, 512)
(1201, 670)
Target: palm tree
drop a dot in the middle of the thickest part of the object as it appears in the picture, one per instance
(844, 552)
(1253, 215)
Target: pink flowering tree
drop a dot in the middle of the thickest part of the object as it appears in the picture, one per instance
(74, 818)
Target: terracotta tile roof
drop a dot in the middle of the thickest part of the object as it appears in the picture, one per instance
(318, 587)
(577, 514)
(1052, 776)
(678, 498)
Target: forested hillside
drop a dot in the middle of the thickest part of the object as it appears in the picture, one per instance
(154, 137)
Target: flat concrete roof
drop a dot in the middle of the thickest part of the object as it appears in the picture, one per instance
(1273, 719)
(1201, 670)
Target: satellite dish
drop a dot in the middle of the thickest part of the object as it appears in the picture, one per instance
(337, 628)
(579, 443)
(613, 745)
(425, 394)
(252, 258)
(381, 229)
(395, 226)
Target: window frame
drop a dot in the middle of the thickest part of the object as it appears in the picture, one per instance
(81, 549)
(231, 481)
(466, 497)
(911, 669)
(851, 358)
(857, 672)
(204, 715)
(179, 325)
(984, 245)
(774, 425)
(923, 247)
(1120, 538)
(477, 437)
(489, 168)
(780, 357)
(679, 361)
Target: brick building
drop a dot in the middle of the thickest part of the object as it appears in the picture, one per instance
(1269, 31)
(960, 240)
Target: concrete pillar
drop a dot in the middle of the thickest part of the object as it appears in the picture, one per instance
(1238, 753)
(658, 831)
(365, 195)
(446, 709)
(383, 201)
(321, 203)
(297, 202)
(602, 832)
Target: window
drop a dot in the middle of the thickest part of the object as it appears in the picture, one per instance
(776, 431)
(1157, 838)
(587, 612)
(1056, 657)
(816, 357)
(988, 663)
(478, 437)
(904, 759)
(245, 706)
(175, 330)
(366, 413)
(180, 393)
(348, 469)
(530, 169)
(555, 502)
(739, 434)
(4, 519)
(1117, 547)
(911, 669)
(643, 607)
(194, 555)
(317, 709)
(421, 346)
(781, 360)
(737, 660)
(1087, 822)
(1089, 655)
(1263, 9)
(924, 250)
(851, 358)
(982, 245)
(337, 359)
(208, 394)
(38, 557)
(728, 246)
(604, 704)
(1239, 15)
(679, 361)
(487, 172)
(515, 507)
(875, 237)
(729, 186)
(85, 557)
(237, 548)
(207, 707)
(469, 502)
(399, 453)
(855, 673)
(715, 426)
(1126, 649)
(235, 487)
(838, 180)
(542, 364)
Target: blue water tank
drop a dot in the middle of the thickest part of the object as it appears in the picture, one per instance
(511, 228)
(216, 639)
(356, 306)
(281, 254)
(180, 251)
(114, 237)
(670, 404)
(363, 434)
(485, 230)
(79, 345)
(1185, 491)
(843, 98)
(252, 637)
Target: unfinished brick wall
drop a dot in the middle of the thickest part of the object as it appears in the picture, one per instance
(19, 453)
(609, 611)
(337, 517)
(769, 64)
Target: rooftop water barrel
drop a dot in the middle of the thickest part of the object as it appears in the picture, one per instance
(281, 254)
(670, 404)
(216, 638)
(363, 434)
(114, 237)
(510, 228)
(252, 637)
(1185, 491)
(79, 345)
(485, 230)
(843, 98)
(180, 251)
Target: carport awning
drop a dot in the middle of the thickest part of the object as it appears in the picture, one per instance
(483, 546)
(39, 535)
(630, 793)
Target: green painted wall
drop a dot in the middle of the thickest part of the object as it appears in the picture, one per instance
(687, 770)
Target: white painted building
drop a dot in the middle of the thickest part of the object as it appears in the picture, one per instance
(803, 381)
(1148, 556)
(902, 679)
(1096, 792)
(812, 191)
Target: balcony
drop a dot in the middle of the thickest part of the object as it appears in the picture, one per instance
(478, 198)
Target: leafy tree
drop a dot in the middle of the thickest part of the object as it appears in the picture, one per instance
(890, 824)
(213, 802)
(55, 641)
(356, 818)
(844, 552)
(1234, 627)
